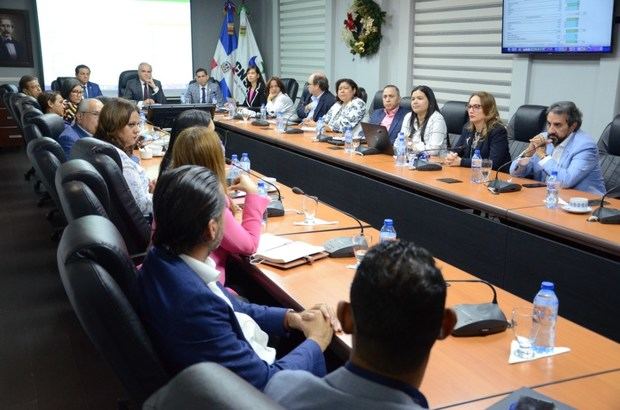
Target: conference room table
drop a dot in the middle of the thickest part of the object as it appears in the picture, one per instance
(510, 239)
(461, 371)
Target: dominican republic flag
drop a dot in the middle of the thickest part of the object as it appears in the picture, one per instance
(248, 54)
(223, 62)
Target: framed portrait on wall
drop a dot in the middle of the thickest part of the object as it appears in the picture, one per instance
(15, 39)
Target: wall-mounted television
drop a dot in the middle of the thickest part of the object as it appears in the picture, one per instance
(557, 26)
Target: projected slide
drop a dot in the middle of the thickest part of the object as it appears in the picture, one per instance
(111, 36)
(557, 25)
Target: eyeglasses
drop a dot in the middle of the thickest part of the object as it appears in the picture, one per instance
(475, 107)
(95, 113)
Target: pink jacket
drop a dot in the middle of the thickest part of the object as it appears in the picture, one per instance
(240, 238)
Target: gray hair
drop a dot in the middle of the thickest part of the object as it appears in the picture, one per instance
(146, 64)
(394, 87)
(85, 104)
(573, 115)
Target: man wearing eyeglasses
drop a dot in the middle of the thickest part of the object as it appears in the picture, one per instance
(86, 121)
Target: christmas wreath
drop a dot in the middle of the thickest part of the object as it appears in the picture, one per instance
(362, 28)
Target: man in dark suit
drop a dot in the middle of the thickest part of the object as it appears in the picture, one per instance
(145, 90)
(10, 50)
(91, 90)
(316, 100)
(391, 115)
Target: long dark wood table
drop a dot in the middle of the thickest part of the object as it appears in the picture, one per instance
(510, 239)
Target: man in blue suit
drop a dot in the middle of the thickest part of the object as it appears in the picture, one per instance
(91, 90)
(189, 315)
(316, 100)
(86, 121)
(564, 148)
(391, 341)
(391, 115)
(203, 91)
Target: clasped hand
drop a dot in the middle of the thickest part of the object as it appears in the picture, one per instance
(538, 146)
(317, 323)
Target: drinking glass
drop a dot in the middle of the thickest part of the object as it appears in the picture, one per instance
(525, 329)
(487, 165)
(356, 142)
(360, 247)
(309, 206)
(245, 114)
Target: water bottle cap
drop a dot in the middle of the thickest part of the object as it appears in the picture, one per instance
(234, 156)
(245, 154)
(554, 173)
(477, 152)
(261, 184)
(547, 286)
(388, 222)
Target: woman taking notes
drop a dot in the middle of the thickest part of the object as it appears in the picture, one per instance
(348, 110)
(425, 126)
(484, 132)
(277, 100)
(202, 146)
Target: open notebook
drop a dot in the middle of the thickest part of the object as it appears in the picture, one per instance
(284, 253)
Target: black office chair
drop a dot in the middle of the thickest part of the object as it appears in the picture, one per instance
(610, 137)
(405, 103)
(22, 104)
(362, 94)
(99, 276)
(527, 122)
(123, 210)
(377, 101)
(28, 113)
(291, 87)
(57, 83)
(81, 190)
(609, 153)
(50, 125)
(455, 115)
(208, 386)
(123, 78)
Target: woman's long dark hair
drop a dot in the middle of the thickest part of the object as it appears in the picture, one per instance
(432, 107)
(260, 80)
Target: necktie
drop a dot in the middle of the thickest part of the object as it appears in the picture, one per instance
(146, 91)
(203, 98)
(85, 91)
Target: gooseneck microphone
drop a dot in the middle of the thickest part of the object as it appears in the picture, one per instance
(342, 246)
(606, 215)
(497, 186)
(275, 207)
(478, 319)
(422, 164)
(293, 130)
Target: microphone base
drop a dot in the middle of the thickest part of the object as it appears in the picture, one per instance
(260, 123)
(294, 131)
(609, 216)
(479, 320)
(275, 208)
(368, 151)
(500, 187)
(323, 138)
(340, 247)
(426, 166)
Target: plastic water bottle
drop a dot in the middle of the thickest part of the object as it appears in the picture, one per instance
(476, 167)
(319, 127)
(233, 171)
(263, 112)
(244, 163)
(213, 98)
(279, 122)
(348, 140)
(545, 317)
(400, 149)
(388, 233)
(142, 123)
(553, 190)
(262, 191)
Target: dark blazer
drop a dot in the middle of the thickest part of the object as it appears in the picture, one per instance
(4, 52)
(494, 146)
(69, 136)
(258, 99)
(133, 91)
(93, 90)
(326, 100)
(189, 324)
(377, 116)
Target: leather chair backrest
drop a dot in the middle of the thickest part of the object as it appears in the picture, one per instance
(123, 78)
(8, 88)
(31, 132)
(377, 101)
(527, 122)
(123, 210)
(51, 125)
(58, 82)
(12, 100)
(208, 386)
(99, 278)
(609, 142)
(405, 103)
(291, 87)
(363, 94)
(28, 113)
(610, 167)
(81, 190)
(455, 115)
(6, 96)
(46, 155)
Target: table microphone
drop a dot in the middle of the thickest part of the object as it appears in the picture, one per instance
(293, 130)
(275, 207)
(422, 164)
(260, 122)
(342, 246)
(478, 319)
(497, 186)
(606, 215)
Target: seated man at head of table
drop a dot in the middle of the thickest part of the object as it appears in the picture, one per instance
(316, 100)
(397, 312)
(202, 91)
(85, 125)
(391, 115)
(189, 315)
(145, 90)
(564, 148)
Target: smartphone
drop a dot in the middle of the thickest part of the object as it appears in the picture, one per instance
(535, 185)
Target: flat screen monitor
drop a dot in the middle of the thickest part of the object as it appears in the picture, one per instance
(557, 26)
(163, 116)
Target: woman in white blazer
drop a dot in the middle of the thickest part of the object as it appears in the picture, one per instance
(277, 100)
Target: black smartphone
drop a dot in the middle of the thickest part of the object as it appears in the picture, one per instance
(535, 185)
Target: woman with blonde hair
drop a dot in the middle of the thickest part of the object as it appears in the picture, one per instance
(484, 132)
(202, 146)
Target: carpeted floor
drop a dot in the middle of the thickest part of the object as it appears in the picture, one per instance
(46, 359)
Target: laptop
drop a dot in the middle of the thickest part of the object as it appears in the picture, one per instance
(377, 140)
